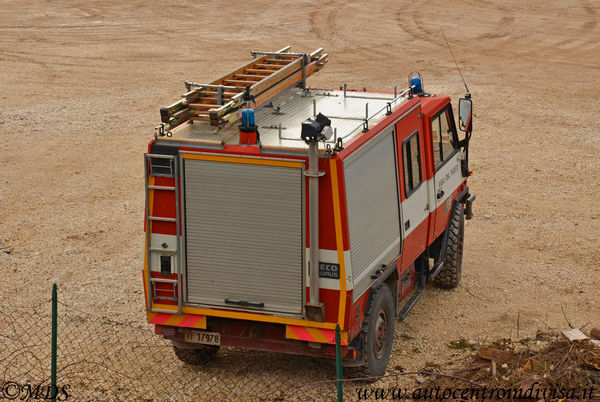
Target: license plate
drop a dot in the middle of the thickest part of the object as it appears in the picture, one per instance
(205, 338)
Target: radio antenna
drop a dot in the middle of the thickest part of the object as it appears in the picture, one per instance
(454, 58)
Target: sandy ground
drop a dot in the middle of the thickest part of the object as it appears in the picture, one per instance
(82, 84)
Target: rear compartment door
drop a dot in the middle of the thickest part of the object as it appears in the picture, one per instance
(244, 238)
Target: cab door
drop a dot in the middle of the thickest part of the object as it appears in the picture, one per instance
(446, 160)
(413, 191)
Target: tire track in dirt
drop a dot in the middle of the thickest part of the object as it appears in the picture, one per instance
(414, 30)
(326, 27)
(34, 57)
(418, 28)
(582, 37)
(593, 12)
(49, 72)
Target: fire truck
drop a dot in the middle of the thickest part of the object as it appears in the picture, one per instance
(277, 214)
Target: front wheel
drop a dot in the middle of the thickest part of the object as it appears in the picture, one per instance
(378, 330)
(449, 276)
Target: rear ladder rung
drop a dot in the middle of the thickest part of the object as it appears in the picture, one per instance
(161, 280)
(162, 219)
(152, 187)
(163, 250)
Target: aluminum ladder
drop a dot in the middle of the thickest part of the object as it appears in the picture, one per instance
(162, 166)
(267, 75)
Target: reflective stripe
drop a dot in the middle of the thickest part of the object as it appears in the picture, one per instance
(178, 320)
(314, 334)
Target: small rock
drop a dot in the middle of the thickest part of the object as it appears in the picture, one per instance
(421, 380)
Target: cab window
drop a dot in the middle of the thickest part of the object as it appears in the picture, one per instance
(411, 157)
(443, 136)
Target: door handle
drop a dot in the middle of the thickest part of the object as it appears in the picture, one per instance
(378, 272)
(244, 303)
(440, 194)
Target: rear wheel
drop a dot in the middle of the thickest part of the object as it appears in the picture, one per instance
(193, 354)
(449, 276)
(378, 330)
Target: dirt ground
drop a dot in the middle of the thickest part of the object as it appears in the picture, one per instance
(82, 84)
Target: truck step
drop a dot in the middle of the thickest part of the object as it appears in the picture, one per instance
(436, 269)
(410, 303)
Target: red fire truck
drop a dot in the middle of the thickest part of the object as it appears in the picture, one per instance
(276, 212)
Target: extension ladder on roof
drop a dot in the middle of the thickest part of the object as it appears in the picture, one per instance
(267, 75)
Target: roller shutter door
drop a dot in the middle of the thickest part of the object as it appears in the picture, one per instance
(373, 214)
(244, 235)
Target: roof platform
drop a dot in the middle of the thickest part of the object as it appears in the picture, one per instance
(280, 120)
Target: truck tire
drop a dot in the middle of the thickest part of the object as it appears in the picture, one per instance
(378, 329)
(449, 276)
(195, 355)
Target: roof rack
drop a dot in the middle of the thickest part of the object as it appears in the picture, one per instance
(258, 81)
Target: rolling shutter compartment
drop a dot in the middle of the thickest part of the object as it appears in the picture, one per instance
(244, 235)
(373, 214)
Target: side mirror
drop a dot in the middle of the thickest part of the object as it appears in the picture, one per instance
(465, 114)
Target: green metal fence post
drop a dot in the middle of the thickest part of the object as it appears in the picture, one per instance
(338, 362)
(53, 387)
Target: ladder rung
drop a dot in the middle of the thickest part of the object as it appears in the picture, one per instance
(240, 82)
(163, 250)
(203, 105)
(211, 98)
(199, 118)
(151, 187)
(270, 66)
(257, 71)
(162, 219)
(224, 93)
(242, 85)
(158, 156)
(249, 76)
(278, 61)
(161, 280)
(160, 310)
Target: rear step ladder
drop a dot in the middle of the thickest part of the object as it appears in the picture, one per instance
(269, 74)
(162, 166)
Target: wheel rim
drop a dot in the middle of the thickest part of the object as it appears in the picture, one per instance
(380, 333)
